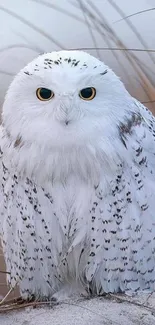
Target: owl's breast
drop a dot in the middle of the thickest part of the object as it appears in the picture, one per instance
(71, 200)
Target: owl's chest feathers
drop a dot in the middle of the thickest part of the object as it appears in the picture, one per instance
(56, 192)
(87, 161)
(72, 200)
(68, 174)
(55, 166)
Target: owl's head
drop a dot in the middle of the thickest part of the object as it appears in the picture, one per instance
(65, 98)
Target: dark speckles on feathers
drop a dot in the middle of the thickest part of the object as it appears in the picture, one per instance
(139, 151)
(104, 72)
(48, 60)
(76, 63)
(92, 254)
(73, 62)
(18, 143)
(126, 127)
(142, 161)
(28, 73)
(1, 152)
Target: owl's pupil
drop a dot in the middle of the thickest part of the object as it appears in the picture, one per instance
(86, 92)
(45, 93)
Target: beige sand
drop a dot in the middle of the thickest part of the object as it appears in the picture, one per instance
(84, 312)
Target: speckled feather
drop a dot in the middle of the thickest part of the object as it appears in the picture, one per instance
(77, 199)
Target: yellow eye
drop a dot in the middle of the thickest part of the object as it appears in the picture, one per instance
(44, 94)
(87, 93)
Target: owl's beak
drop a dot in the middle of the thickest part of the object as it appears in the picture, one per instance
(65, 102)
(65, 109)
(67, 122)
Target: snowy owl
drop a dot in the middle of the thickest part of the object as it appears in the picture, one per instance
(77, 163)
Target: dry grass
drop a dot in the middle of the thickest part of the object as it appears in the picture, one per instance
(95, 21)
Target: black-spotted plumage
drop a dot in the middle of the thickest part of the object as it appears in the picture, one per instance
(77, 181)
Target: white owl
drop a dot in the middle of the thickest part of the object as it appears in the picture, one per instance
(77, 180)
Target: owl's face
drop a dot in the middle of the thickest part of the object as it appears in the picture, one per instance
(64, 98)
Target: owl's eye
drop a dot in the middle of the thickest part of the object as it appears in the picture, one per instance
(44, 94)
(87, 93)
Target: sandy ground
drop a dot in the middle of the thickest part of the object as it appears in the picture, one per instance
(108, 311)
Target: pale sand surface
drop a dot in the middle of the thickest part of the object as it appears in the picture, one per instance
(84, 312)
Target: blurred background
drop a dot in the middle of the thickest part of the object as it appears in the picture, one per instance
(119, 32)
(122, 33)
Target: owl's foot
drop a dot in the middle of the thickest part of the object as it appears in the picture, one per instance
(69, 291)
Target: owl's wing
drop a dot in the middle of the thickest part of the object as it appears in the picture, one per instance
(30, 233)
(123, 215)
